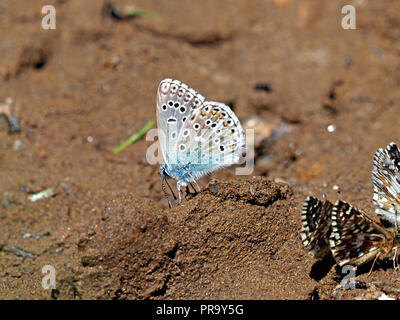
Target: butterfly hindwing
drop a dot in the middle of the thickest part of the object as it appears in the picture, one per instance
(212, 137)
(356, 238)
(386, 181)
(316, 226)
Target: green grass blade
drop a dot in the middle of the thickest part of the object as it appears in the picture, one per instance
(136, 12)
(136, 137)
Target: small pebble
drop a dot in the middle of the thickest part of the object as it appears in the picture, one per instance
(41, 195)
(17, 145)
(264, 86)
(19, 252)
(331, 128)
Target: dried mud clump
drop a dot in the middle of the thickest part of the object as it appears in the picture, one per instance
(198, 249)
(259, 191)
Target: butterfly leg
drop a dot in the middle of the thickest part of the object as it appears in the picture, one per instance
(395, 265)
(179, 185)
(197, 186)
(376, 258)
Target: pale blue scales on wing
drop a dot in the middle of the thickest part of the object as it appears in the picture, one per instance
(197, 137)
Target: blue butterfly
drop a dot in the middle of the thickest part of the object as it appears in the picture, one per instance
(196, 136)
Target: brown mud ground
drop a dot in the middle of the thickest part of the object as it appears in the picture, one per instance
(107, 230)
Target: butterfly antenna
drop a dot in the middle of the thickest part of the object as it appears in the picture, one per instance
(165, 192)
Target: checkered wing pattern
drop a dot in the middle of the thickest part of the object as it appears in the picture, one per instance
(316, 226)
(356, 238)
(386, 180)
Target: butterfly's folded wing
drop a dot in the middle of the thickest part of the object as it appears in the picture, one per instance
(175, 103)
(386, 180)
(355, 237)
(211, 138)
(316, 226)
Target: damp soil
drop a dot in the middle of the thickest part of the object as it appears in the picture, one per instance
(323, 100)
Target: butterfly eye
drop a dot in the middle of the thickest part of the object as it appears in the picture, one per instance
(164, 107)
(186, 133)
(221, 148)
(208, 122)
(176, 105)
(196, 126)
(213, 125)
(182, 109)
(174, 88)
(182, 147)
(173, 135)
(184, 119)
(170, 103)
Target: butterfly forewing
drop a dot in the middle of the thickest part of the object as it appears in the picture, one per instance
(316, 226)
(386, 180)
(176, 102)
(356, 238)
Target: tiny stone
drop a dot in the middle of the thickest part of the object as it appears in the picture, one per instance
(17, 145)
(331, 128)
